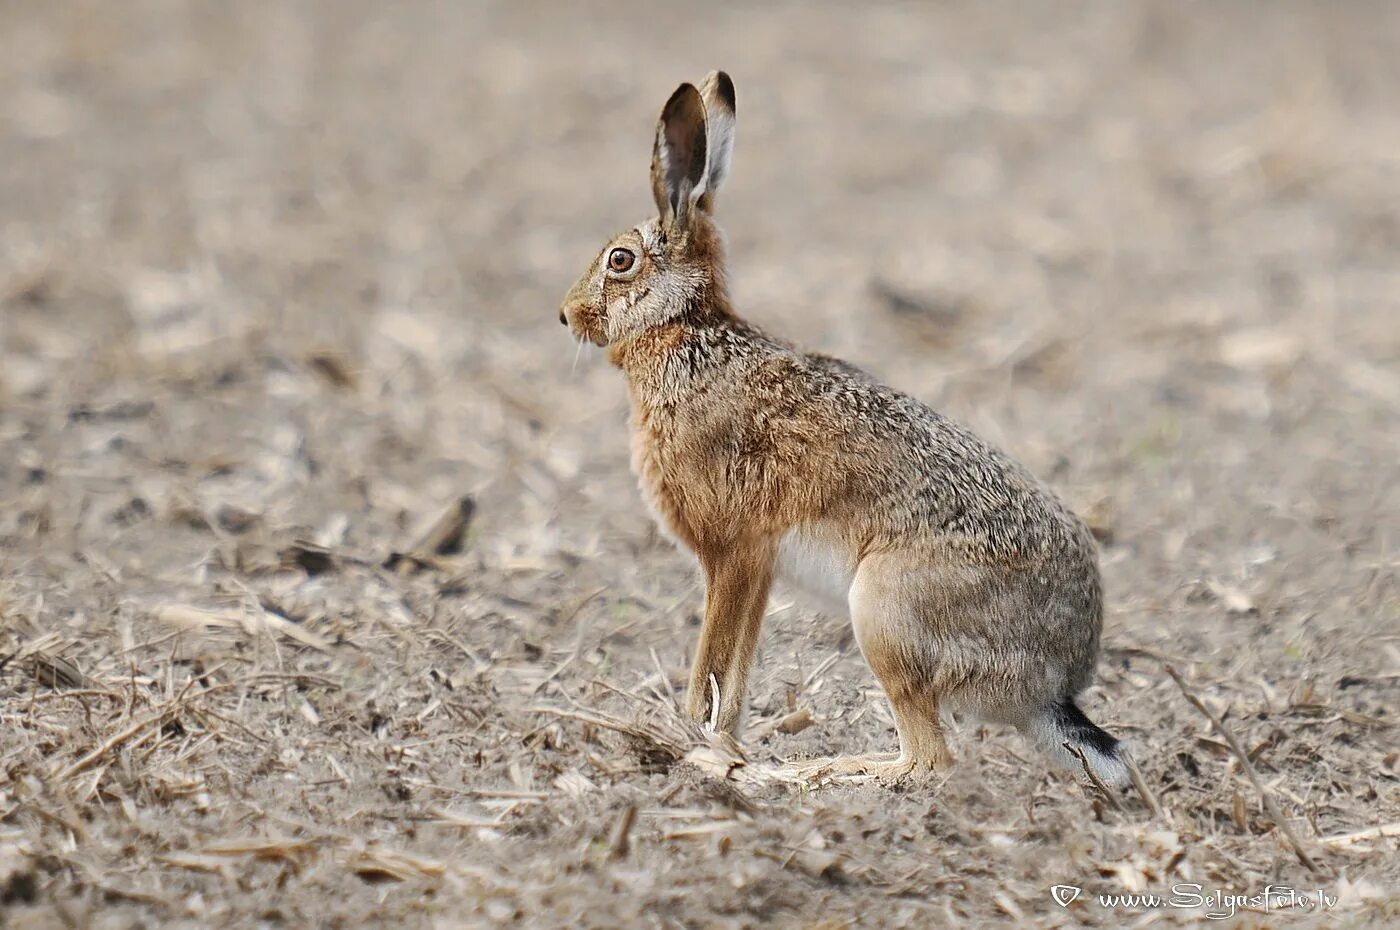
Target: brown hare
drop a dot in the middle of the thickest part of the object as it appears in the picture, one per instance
(969, 585)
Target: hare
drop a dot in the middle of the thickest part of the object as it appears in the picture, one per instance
(969, 585)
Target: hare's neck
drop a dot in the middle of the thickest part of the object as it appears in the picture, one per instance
(665, 364)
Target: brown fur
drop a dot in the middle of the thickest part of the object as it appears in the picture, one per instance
(968, 583)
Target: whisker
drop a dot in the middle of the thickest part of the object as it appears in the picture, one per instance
(578, 350)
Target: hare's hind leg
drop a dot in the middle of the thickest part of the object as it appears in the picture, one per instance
(893, 636)
(922, 748)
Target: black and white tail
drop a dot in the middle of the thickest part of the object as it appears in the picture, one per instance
(1063, 722)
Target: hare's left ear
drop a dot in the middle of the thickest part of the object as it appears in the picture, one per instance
(678, 161)
(717, 90)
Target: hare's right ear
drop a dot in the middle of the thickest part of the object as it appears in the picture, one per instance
(678, 161)
(717, 90)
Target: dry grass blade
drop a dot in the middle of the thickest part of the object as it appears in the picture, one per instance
(671, 747)
(144, 728)
(79, 832)
(41, 662)
(452, 818)
(1242, 756)
(1383, 832)
(289, 850)
(790, 723)
(50, 671)
(195, 862)
(332, 366)
(568, 617)
(376, 864)
(253, 622)
(619, 839)
(1143, 789)
(1104, 791)
(448, 534)
(446, 537)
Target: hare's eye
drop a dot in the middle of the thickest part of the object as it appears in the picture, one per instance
(621, 260)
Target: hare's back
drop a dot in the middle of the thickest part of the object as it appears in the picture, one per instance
(923, 472)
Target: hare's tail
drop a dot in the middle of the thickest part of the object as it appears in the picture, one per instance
(1063, 725)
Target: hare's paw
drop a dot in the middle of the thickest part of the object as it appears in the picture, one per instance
(883, 767)
(880, 766)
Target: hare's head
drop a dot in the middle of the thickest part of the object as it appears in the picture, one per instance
(669, 267)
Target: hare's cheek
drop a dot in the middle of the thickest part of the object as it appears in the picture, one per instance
(619, 304)
(594, 326)
(617, 313)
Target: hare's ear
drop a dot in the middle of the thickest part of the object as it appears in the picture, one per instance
(717, 91)
(678, 161)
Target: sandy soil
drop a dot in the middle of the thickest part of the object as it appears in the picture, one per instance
(278, 288)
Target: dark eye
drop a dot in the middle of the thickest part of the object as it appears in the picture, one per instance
(621, 260)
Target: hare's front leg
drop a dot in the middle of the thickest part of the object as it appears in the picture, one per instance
(737, 579)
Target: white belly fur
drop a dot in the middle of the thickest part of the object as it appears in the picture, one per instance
(818, 566)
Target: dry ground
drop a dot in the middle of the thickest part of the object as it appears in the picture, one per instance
(278, 286)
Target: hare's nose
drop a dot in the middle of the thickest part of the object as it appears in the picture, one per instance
(562, 318)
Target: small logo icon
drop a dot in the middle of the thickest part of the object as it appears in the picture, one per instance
(1064, 895)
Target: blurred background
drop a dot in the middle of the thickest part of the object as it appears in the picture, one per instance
(1083, 228)
(275, 271)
